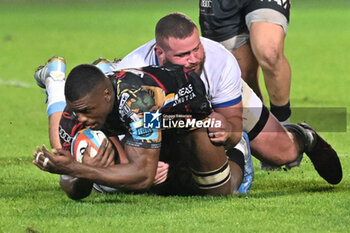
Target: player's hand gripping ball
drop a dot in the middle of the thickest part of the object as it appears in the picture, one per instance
(81, 140)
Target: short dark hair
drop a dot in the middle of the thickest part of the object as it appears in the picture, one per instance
(82, 80)
(175, 25)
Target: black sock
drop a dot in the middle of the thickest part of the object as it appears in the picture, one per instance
(282, 113)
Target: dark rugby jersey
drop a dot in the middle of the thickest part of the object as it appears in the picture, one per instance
(222, 19)
(144, 94)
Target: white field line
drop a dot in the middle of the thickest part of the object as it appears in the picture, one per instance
(15, 83)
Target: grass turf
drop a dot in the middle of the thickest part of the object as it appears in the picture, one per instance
(31, 201)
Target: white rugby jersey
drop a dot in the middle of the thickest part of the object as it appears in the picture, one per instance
(221, 74)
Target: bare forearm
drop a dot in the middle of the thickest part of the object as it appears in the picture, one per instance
(121, 176)
(138, 174)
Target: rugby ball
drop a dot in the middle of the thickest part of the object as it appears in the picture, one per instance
(81, 140)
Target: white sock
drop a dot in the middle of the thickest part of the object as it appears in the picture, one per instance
(242, 146)
(55, 92)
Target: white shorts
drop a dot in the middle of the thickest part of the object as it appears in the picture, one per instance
(255, 113)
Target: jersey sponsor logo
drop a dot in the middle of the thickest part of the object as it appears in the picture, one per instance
(64, 135)
(205, 3)
(205, 7)
(184, 94)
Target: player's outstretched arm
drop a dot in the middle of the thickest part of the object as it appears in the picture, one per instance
(138, 174)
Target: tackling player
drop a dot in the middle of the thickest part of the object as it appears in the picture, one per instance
(178, 42)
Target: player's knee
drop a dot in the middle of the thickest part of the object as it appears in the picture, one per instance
(270, 58)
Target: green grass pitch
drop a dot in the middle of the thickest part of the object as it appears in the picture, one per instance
(298, 200)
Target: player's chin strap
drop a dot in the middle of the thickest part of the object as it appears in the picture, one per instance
(212, 179)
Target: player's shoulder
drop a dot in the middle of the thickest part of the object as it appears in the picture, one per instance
(140, 78)
(145, 49)
(142, 56)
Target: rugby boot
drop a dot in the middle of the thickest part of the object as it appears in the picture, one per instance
(323, 157)
(105, 65)
(54, 68)
(248, 173)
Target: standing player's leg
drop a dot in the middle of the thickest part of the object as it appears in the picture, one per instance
(269, 51)
(267, 22)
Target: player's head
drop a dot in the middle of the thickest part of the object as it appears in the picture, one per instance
(90, 95)
(178, 42)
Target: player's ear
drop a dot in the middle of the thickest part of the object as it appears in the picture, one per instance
(107, 94)
(160, 54)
